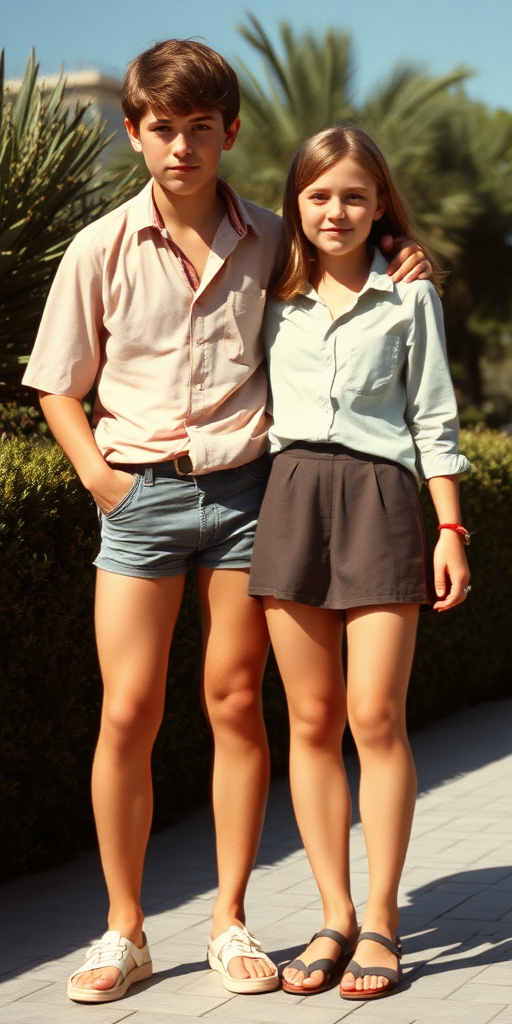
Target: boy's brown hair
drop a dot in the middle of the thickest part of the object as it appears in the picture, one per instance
(180, 76)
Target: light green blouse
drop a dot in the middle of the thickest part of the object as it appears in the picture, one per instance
(375, 379)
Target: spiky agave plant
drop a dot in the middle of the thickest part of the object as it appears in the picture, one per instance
(50, 187)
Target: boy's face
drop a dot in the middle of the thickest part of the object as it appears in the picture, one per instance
(182, 152)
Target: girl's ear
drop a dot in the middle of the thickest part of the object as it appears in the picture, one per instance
(382, 202)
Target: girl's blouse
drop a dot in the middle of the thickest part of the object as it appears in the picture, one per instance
(375, 379)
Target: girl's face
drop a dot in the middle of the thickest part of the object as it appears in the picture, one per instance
(338, 209)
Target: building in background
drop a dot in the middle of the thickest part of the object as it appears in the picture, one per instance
(102, 93)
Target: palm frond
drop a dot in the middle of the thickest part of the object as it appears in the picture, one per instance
(303, 87)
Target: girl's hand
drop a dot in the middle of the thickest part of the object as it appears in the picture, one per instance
(111, 488)
(410, 263)
(451, 571)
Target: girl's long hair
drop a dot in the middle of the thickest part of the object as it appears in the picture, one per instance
(297, 256)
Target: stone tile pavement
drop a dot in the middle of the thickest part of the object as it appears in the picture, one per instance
(456, 907)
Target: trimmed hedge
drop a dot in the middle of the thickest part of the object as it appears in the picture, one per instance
(50, 689)
(50, 685)
(464, 656)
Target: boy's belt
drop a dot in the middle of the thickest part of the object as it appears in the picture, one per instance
(183, 465)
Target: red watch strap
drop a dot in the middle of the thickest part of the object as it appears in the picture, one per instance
(461, 530)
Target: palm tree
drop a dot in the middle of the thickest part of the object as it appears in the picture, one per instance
(50, 187)
(478, 297)
(307, 89)
(410, 115)
(451, 158)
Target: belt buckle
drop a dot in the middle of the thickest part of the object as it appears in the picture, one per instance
(183, 465)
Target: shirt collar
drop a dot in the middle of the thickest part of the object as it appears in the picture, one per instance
(143, 212)
(378, 279)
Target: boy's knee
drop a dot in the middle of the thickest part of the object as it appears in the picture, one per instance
(130, 721)
(235, 705)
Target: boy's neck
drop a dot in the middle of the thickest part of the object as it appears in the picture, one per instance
(199, 213)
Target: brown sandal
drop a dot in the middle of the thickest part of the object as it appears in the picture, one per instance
(382, 972)
(331, 968)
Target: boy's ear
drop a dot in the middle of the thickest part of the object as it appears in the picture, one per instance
(231, 134)
(133, 135)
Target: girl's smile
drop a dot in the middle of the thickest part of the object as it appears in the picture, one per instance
(338, 209)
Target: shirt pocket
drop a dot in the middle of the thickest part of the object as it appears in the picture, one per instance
(242, 326)
(372, 363)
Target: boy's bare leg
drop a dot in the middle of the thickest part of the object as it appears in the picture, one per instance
(135, 619)
(380, 651)
(235, 652)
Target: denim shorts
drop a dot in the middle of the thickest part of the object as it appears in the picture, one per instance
(167, 523)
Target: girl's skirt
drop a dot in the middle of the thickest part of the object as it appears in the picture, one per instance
(341, 529)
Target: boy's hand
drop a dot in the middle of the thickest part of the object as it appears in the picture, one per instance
(109, 489)
(451, 571)
(409, 263)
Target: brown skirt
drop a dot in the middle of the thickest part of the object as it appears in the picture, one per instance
(341, 529)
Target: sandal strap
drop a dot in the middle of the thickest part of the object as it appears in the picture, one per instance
(112, 950)
(325, 964)
(299, 965)
(237, 942)
(394, 947)
(381, 972)
(331, 933)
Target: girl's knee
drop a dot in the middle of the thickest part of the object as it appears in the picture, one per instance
(317, 723)
(377, 725)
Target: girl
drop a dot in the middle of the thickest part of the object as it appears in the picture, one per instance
(364, 410)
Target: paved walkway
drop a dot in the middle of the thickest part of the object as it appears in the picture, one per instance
(456, 906)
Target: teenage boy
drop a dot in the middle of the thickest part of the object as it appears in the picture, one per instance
(159, 304)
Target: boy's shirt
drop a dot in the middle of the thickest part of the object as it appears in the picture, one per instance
(177, 369)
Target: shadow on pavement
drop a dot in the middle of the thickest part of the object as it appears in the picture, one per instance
(49, 915)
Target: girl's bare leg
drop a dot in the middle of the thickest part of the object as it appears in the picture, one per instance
(307, 645)
(135, 619)
(380, 651)
(235, 652)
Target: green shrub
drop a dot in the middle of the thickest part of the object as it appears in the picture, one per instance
(21, 421)
(50, 683)
(50, 690)
(50, 687)
(463, 656)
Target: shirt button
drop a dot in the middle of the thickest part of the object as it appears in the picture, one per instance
(198, 387)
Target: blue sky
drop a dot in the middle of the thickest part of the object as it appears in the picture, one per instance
(106, 34)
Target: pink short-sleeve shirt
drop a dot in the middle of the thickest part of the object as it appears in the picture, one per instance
(177, 368)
